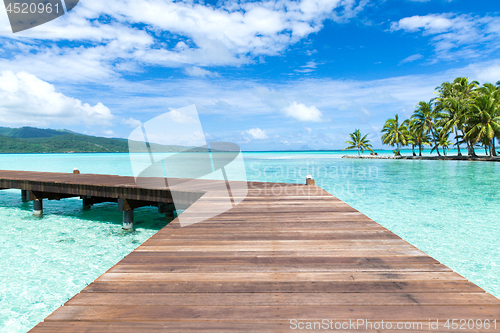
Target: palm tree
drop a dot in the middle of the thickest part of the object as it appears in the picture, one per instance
(425, 118)
(395, 134)
(412, 139)
(485, 144)
(418, 138)
(455, 99)
(493, 92)
(485, 121)
(472, 113)
(454, 109)
(444, 142)
(490, 89)
(361, 143)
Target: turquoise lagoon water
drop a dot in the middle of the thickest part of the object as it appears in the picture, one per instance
(448, 209)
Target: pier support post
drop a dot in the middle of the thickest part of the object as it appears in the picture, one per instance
(128, 219)
(167, 209)
(171, 215)
(24, 196)
(38, 207)
(310, 180)
(87, 202)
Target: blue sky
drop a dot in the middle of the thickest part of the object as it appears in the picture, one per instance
(267, 75)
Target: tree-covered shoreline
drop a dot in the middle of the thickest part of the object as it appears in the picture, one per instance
(463, 109)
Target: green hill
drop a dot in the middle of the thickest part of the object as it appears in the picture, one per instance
(37, 140)
(31, 132)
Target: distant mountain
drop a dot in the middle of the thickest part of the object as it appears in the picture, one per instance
(38, 140)
(31, 132)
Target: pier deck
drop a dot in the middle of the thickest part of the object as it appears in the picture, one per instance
(286, 257)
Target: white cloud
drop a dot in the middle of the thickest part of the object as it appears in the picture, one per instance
(111, 41)
(257, 133)
(486, 73)
(254, 99)
(352, 103)
(132, 122)
(180, 118)
(65, 65)
(307, 68)
(27, 100)
(311, 64)
(365, 111)
(411, 58)
(198, 72)
(108, 133)
(455, 36)
(430, 23)
(303, 113)
(308, 130)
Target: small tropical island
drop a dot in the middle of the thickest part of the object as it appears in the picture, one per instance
(464, 110)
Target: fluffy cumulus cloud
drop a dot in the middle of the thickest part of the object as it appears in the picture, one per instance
(123, 35)
(27, 100)
(257, 133)
(303, 113)
(455, 36)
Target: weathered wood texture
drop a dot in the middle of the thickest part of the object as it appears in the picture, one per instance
(286, 252)
(59, 185)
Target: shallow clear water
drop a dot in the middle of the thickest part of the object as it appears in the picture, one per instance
(448, 209)
(45, 261)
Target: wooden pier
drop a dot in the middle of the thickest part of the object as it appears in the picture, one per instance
(93, 189)
(288, 258)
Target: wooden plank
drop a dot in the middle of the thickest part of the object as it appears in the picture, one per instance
(340, 243)
(171, 258)
(257, 313)
(281, 277)
(289, 236)
(283, 268)
(161, 326)
(295, 254)
(259, 299)
(284, 287)
(209, 326)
